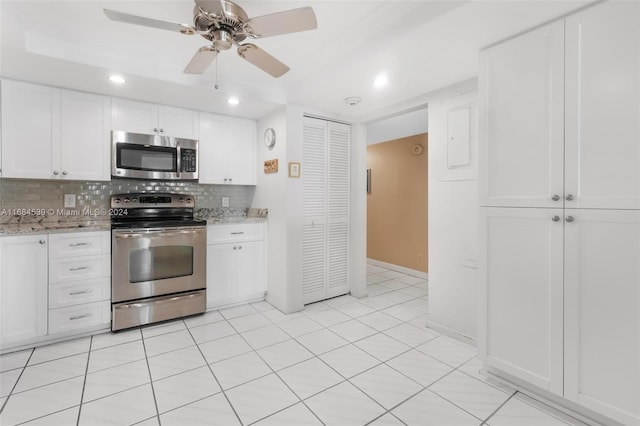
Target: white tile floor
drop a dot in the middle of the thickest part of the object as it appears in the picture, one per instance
(342, 362)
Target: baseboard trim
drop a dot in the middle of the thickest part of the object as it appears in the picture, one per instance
(452, 333)
(397, 268)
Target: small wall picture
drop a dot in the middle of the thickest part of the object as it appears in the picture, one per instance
(294, 170)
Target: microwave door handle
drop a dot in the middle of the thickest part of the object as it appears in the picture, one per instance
(178, 160)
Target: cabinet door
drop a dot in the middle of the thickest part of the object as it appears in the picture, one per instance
(251, 271)
(241, 154)
(135, 117)
(602, 314)
(221, 273)
(30, 130)
(212, 149)
(178, 122)
(603, 107)
(84, 136)
(523, 287)
(23, 288)
(521, 100)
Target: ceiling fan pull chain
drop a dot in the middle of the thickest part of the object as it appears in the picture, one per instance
(216, 85)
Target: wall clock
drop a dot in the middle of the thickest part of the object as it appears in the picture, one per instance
(269, 138)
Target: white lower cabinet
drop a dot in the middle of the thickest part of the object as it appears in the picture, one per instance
(23, 288)
(602, 312)
(79, 281)
(235, 263)
(523, 249)
(50, 289)
(562, 309)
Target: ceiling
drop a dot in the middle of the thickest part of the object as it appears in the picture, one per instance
(420, 45)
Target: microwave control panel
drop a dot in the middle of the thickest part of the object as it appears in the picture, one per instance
(188, 160)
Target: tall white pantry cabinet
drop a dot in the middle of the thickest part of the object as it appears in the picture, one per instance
(560, 210)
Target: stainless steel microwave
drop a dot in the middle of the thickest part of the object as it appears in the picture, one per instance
(140, 156)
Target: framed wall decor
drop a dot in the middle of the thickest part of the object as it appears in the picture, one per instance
(294, 170)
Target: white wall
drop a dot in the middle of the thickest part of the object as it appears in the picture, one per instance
(453, 223)
(283, 197)
(400, 126)
(271, 194)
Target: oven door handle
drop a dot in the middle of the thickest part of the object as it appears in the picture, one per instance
(155, 234)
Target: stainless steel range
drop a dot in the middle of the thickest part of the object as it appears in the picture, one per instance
(158, 263)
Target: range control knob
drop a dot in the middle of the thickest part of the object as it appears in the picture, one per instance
(126, 200)
(116, 200)
(188, 200)
(181, 200)
(135, 200)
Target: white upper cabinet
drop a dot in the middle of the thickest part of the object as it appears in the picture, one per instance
(241, 151)
(50, 133)
(30, 130)
(141, 117)
(521, 120)
(603, 107)
(560, 115)
(84, 136)
(227, 150)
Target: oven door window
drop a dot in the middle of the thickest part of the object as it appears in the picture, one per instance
(152, 158)
(158, 263)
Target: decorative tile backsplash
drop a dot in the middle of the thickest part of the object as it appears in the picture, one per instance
(49, 194)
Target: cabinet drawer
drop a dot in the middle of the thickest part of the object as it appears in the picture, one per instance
(234, 232)
(85, 291)
(78, 268)
(79, 317)
(79, 243)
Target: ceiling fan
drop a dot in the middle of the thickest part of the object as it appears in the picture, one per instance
(226, 24)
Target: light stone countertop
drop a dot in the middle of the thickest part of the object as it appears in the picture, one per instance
(53, 227)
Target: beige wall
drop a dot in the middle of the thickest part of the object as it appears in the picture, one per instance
(397, 204)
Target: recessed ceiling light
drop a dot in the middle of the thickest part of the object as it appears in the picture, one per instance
(381, 81)
(116, 79)
(233, 101)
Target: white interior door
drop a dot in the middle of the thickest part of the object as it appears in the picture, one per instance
(314, 251)
(602, 314)
(524, 293)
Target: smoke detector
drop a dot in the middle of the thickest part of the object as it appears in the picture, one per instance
(353, 100)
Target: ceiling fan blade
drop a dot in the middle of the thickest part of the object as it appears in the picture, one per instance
(288, 21)
(262, 60)
(201, 60)
(114, 15)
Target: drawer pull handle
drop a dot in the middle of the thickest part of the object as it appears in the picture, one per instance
(237, 233)
(75, 293)
(80, 244)
(75, 317)
(81, 268)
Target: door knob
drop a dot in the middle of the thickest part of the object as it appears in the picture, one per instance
(55, 173)
(555, 197)
(570, 219)
(155, 129)
(555, 218)
(569, 197)
(41, 241)
(64, 173)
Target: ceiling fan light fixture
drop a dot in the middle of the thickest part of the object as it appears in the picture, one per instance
(233, 101)
(117, 79)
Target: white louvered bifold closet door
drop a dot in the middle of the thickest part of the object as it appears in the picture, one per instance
(338, 210)
(325, 209)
